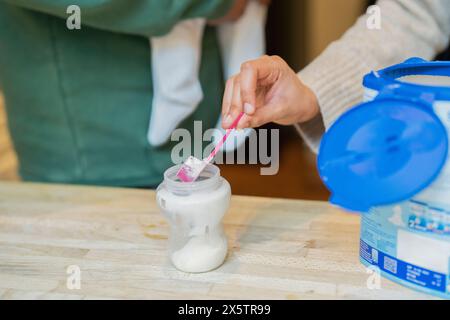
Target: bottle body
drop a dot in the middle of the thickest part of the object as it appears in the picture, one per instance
(197, 242)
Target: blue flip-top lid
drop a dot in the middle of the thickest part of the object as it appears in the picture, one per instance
(378, 80)
(384, 151)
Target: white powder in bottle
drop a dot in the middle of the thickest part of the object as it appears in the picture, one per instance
(200, 254)
(197, 240)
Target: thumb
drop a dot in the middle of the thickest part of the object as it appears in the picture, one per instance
(261, 116)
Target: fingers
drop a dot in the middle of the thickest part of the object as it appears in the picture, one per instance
(261, 117)
(260, 72)
(249, 81)
(236, 106)
(245, 122)
(241, 90)
(264, 115)
(227, 96)
(232, 103)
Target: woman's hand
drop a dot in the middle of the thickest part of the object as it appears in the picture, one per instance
(267, 90)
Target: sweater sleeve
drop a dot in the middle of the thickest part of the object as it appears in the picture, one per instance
(139, 17)
(408, 28)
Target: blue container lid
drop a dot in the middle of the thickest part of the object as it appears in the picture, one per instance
(382, 152)
(378, 80)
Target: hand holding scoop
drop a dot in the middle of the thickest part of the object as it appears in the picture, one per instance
(193, 167)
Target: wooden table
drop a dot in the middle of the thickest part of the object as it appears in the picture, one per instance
(278, 249)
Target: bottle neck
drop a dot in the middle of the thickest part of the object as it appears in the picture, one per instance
(208, 180)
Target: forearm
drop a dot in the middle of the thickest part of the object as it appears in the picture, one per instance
(139, 17)
(409, 28)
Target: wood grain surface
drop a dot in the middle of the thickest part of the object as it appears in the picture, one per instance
(278, 249)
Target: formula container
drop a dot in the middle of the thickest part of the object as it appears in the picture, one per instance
(197, 242)
(388, 157)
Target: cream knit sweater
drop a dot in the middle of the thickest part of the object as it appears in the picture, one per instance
(409, 28)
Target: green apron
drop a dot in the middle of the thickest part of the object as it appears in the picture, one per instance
(79, 101)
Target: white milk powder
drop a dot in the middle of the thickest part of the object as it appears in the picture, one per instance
(427, 80)
(198, 243)
(200, 254)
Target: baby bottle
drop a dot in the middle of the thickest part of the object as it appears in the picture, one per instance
(197, 242)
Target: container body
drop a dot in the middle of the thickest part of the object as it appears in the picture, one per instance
(410, 241)
(197, 242)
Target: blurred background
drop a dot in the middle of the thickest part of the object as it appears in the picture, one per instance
(297, 30)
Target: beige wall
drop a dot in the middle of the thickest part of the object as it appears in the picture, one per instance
(299, 30)
(326, 21)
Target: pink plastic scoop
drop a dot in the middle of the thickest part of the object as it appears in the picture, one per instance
(193, 167)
